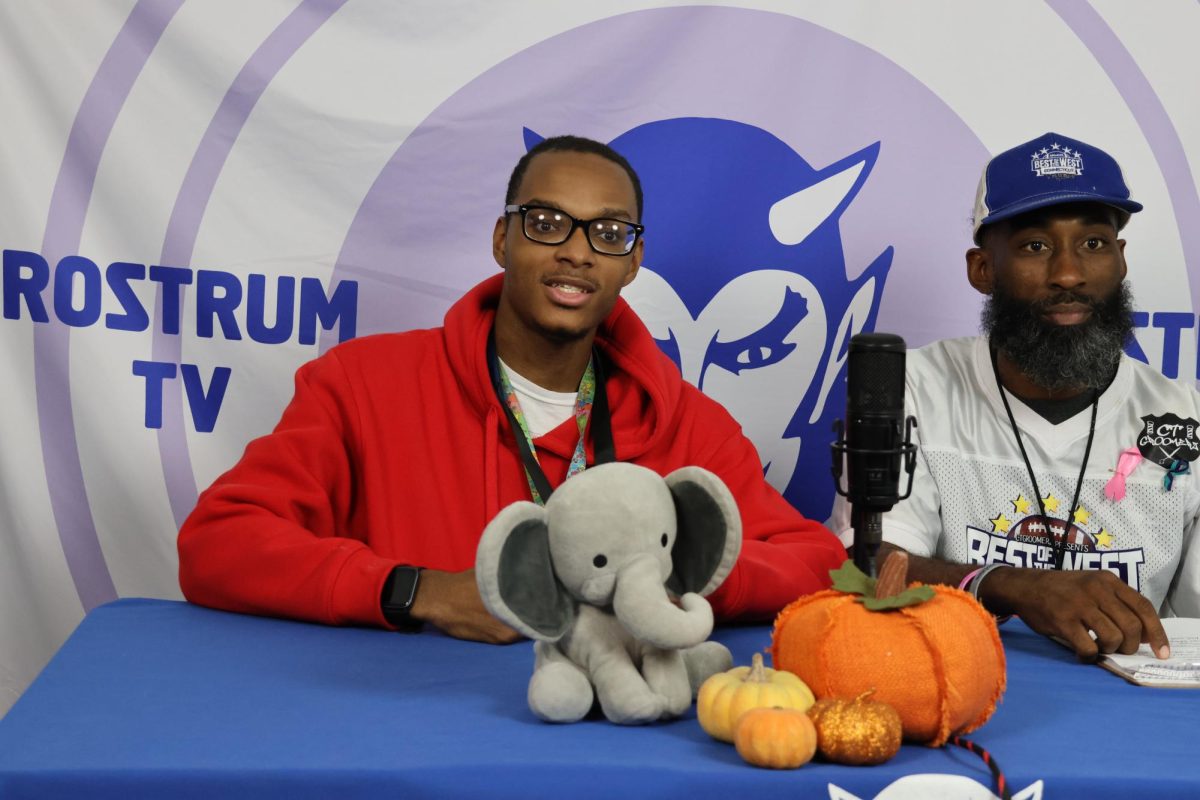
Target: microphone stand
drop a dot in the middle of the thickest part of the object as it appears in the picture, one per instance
(868, 534)
(866, 513)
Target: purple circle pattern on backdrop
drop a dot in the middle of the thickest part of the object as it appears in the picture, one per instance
(423, 234)
(188, 213)
(424, 230)
(93, 123)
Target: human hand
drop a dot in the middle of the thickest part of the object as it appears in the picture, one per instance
(450, 601)
(1072, 605)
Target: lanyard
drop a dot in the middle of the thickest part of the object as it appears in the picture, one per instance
(591, 403)
(1057, 543)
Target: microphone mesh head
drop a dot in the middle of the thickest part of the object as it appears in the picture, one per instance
(875, 374)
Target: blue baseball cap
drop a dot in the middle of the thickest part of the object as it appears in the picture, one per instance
(1047, 171)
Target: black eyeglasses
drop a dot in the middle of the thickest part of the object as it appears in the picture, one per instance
(608, 237)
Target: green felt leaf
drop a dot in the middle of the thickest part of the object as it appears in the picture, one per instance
(912, 596)
(852, 580)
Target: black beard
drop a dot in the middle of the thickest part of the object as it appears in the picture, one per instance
(1057, 357)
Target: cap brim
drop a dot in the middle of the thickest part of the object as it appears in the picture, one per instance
(1055, 199)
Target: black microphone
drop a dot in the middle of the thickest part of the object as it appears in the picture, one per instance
(876, 435)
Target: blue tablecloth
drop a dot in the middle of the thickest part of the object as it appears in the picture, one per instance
(157, 698)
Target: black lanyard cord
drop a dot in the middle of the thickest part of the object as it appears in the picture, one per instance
(599, 423)
(1058, 544)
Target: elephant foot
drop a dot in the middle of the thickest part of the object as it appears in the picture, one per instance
(560, 692)
(645, 708)
(666, 675)
(705, 660)
(676, 703)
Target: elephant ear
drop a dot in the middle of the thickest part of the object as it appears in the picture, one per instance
(516, 576)
(710, 531)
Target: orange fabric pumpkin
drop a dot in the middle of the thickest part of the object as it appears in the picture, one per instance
(939, 663)
(777, 738)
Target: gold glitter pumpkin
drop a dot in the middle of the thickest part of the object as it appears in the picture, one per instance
(724, 697)
(858, 731)
(777, 738)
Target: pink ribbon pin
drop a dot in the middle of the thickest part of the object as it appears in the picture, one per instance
(1126, 463)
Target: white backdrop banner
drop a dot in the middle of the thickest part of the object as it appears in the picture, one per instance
(196, 198)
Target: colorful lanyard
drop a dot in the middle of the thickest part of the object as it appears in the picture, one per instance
(591, 403)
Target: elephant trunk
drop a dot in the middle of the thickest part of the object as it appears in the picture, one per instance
(642, 605)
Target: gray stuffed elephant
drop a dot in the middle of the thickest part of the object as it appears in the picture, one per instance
(593, 577)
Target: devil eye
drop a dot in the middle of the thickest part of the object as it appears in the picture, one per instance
(756, 357)
(600, 560)
(664, 540)
(765, 346)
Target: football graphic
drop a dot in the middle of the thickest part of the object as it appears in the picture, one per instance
(1038, 529)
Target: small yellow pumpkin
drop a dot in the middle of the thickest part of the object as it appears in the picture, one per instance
(778, 738)
(727, 695)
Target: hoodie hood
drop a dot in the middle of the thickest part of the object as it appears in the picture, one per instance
(643, 385)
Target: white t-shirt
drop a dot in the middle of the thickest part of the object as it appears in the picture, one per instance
(544, 410)
(972, 500)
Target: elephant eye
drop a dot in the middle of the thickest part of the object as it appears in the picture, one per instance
(600, 560)
(664, 540)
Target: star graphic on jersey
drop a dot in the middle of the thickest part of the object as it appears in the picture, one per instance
(1081, 516)
(1104, 539)
(1020, 505)
(1001, 523)
(1051, 503)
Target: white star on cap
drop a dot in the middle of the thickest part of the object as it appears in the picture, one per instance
(1055, 146)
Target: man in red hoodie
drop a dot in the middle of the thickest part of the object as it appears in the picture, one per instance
(365, 505)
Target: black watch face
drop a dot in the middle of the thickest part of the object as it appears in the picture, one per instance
(404, 588)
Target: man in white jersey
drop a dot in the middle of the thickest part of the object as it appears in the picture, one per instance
(1067, 497)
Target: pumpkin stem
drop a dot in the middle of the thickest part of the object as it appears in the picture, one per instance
(758, 673)
(893, 575)
(864, 695)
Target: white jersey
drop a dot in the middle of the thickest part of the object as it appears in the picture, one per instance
(973, 502)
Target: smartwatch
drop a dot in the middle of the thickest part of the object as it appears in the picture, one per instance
(399, 592)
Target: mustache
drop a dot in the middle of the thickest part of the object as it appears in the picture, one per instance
(1065, 298)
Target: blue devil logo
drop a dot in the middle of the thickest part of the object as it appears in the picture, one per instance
(745, 286)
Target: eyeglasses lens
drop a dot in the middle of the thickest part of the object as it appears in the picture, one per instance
(612, 236)
(608, 236)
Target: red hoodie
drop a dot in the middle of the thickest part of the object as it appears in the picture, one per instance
(395, 450)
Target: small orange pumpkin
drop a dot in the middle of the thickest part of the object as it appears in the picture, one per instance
(856, 732)
(777, 738)
(931, 652)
